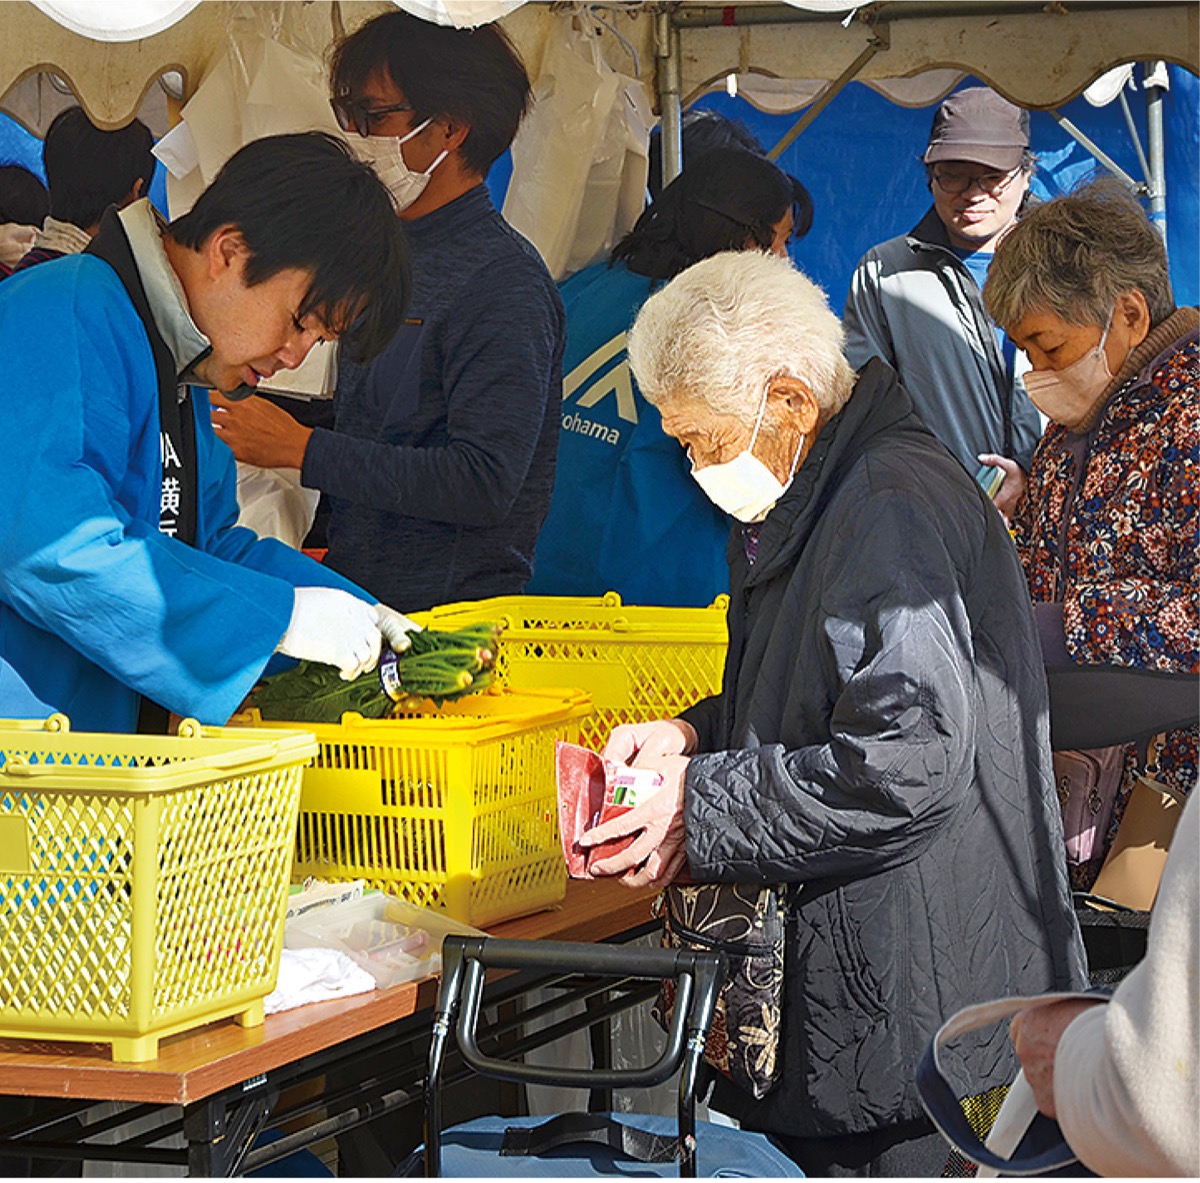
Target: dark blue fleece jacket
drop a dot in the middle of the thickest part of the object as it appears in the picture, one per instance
(440, 467)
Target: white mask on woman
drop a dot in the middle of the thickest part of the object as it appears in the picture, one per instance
(1069, 396)
(744, 487)
(384, 155)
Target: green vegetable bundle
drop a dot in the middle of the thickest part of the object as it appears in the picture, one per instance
(441, 665)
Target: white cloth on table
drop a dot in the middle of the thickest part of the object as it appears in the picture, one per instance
(315, 975)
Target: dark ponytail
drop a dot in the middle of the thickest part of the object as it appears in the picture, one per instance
(726, 199)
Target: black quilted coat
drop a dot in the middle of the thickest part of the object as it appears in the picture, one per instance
(882, 743)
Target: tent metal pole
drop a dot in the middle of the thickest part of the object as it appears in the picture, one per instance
(1098, 152)
(879, 40)
(1155, 78)
(669, 79)
(1133, 135)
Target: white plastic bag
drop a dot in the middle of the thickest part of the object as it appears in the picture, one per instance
(581, 157)
(616, 185)
(274, 504)
(268, 82)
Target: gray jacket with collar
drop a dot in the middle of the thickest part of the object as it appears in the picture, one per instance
(913, 303)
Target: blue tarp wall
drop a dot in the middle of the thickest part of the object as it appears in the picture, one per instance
(860, 159)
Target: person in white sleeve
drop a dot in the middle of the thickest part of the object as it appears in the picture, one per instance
(1122, 1080)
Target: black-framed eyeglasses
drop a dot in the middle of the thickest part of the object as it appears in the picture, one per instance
(993, 184)
(360, 117)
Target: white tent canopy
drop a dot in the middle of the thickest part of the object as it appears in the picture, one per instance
(247, 68)
(131, 20)
(1038, 55)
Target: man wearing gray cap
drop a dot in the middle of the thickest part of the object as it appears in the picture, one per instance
(915, 300)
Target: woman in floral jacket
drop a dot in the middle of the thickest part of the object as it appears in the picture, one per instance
(1108, 528)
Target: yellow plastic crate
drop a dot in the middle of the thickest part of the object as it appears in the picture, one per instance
(453, 808)
(637, 663)
(143, 879)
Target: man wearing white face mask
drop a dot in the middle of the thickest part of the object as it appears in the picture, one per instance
(881, 742)
(1108, 529)
(438, 466)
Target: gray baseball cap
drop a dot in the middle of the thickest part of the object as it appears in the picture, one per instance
(979, 126)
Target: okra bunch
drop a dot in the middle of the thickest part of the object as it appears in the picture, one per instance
(441, 665)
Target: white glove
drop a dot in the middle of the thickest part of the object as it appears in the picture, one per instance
(335, 628)
(395, 627)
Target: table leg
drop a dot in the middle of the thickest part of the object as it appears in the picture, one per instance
(600, 1037)
(221, 1129)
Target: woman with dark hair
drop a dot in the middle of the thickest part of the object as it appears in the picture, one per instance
(728, 200)
(702, 131)
(626, 514)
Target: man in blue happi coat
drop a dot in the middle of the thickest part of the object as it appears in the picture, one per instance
(127, 591)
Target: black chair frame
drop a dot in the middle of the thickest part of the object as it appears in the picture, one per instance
(465, 962)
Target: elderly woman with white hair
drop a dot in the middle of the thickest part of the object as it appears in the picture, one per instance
(880, 746)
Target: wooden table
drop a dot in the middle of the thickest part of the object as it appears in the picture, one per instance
(214, 1072)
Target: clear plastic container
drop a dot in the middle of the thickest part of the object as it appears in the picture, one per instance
(393, 940)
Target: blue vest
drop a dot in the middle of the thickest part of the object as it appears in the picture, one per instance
(626, 514)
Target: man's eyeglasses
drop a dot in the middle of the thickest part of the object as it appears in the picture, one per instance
(359, 117)
(993, 184)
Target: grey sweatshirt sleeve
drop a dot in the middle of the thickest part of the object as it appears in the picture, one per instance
(864, 320)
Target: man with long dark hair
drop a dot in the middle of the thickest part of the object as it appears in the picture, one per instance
(439, 464)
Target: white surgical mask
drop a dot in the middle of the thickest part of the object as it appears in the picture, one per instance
(1069, 396)
(744, 487)
(384, 155)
